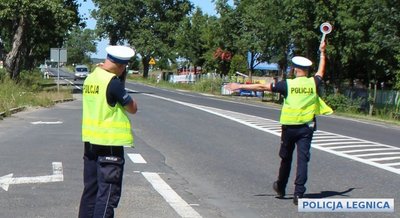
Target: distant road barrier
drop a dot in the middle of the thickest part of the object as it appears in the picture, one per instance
(190, 78)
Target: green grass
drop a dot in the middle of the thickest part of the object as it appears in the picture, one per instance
(30, 91)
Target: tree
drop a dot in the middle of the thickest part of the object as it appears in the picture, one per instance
(255, 38)
(208, 37)
(31, 27)
(189, 40)
(238, 64)
(148, 25)
(224, 34)
(80, 43)
(364, 43)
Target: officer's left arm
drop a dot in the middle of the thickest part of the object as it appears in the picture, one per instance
(321, 66)
(116, 93)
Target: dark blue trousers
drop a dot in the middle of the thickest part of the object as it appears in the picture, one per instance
(300, 135)
(102, 178)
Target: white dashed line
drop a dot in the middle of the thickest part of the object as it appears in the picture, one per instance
(137, 158)
(173, 199)
(170, 196)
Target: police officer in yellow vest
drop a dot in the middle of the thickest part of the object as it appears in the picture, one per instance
(106, 129)
(301, 104)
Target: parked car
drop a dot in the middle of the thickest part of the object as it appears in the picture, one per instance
(81, 72)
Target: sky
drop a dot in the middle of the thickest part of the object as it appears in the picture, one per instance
(206, 6)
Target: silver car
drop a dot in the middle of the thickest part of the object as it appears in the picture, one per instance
(81, 72)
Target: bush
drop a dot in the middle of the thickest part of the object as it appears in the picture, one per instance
(208, 86)
(341, 103)
(32, 79)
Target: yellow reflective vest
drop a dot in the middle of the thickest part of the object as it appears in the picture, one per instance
(302, 102)
(101, 123)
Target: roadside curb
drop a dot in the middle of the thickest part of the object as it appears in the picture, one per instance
(63, 100)
(19, 109)
(12, 111)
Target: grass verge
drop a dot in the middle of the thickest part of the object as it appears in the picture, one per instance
(29, 93)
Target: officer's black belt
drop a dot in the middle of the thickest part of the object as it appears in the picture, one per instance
(296, 126)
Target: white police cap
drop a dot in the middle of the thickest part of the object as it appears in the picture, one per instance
(301, 62)
(119, 54)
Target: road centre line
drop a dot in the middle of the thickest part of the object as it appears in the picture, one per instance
(137, 158)
(173, 199)
(251, 121)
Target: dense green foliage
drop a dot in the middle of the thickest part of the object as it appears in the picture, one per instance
(80, 43)
(363, 46)
(147, 25)
(29, 28)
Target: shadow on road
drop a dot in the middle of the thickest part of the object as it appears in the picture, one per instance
(322, 194)
(326, 194)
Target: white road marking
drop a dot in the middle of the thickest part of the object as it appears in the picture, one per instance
(335, 143)
(331, 140)
(365, 150)
(392, 164)
(46, 122)
(72, 83)
(137, 158)
(170, 196)
(376, 154)
(330, 147)
(7, 180)
(383, 158)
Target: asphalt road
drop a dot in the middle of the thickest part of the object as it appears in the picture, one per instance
(202, 157)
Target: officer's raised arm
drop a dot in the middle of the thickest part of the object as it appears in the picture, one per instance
(321, 66)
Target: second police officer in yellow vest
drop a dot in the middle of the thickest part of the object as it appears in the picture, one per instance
(301, 104)
(106, 128)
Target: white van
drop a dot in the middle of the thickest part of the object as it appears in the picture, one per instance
(81, 72)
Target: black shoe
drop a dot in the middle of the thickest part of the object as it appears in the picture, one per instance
(279, 192)
(296, 199)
